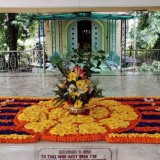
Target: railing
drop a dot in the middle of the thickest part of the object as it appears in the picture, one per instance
(21, 61)
(141, 60)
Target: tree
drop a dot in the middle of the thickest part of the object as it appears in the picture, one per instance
(148, 30)
(26, 26)
(12, 40)
(13, 27)
(3, 32)
(12, 31)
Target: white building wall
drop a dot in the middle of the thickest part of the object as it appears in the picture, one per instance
(76, 3)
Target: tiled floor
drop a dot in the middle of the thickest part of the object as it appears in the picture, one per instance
(38, 84)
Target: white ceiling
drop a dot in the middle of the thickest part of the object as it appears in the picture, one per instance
(77, 5)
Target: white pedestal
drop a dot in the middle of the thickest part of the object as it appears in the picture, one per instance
(117, 151)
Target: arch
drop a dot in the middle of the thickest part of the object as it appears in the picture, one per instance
(73, 42)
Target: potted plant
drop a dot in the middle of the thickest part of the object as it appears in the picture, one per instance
(75, 86)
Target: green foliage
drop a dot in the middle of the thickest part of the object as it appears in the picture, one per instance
(154, 67)
(58, 60)
(148, 30)
(87, 59)
(3, 32)
(143, 21)
(81, 57)
(26, 28)
(144, 68)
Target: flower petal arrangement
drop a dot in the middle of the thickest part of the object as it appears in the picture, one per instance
(76, 88)
(60, 123)
(118, 120)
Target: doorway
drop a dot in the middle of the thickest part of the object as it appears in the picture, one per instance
(84, 34)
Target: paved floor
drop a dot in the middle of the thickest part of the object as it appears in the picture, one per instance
(39, 84)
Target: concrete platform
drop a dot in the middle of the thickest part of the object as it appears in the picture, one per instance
(41, 85)
(117, 151)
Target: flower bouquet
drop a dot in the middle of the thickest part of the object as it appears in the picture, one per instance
(76, 88)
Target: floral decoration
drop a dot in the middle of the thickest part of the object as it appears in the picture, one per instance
(76, 88)
(118, 120)
(59, 122)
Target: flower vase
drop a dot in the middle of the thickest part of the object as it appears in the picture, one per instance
(74, 110)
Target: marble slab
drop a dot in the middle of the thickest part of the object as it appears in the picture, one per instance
(113, 151)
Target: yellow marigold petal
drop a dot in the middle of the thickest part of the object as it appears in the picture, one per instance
(99, 112)
(40, 126)
(56, 113)
(91, 128)
(62, 129)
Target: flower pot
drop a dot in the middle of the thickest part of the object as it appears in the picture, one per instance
(74, 110)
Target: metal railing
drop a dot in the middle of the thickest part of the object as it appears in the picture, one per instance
(21, 61)
(141, 60)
